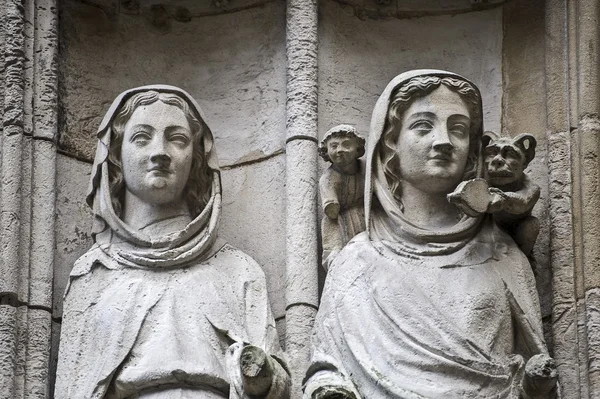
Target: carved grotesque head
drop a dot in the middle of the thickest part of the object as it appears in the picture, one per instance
(342, 145)
(506, 158)
(431, 134)
(157, 153)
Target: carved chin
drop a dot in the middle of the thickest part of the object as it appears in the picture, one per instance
(158, 182)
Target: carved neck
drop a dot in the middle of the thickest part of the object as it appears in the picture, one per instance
(428, 210)
(139, 214)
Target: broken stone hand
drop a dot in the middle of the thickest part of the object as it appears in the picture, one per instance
(257, 371)
(540, 380)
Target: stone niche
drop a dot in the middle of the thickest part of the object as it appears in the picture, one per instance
(236, 57)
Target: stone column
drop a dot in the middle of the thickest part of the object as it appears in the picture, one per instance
(301, 185)
(28, 100)
(573, 129)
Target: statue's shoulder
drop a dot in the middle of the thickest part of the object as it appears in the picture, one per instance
(95, 255)
(236, 261)
(355, 256)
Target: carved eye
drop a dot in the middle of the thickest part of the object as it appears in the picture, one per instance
(510, 152)
(422, 126)
(459, 129)
(141, 137)
(491, 151)
(179, 138)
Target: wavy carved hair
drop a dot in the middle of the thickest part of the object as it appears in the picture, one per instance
(198, 188)
(402, 97)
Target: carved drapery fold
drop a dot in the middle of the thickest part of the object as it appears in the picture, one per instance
(29, 42)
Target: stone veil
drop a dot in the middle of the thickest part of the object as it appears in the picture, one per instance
(421, 312)
(155, 315)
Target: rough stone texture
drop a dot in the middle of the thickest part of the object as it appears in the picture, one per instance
(234, 64)
(8, 350)
(299, 325)
(24, 352)
(183, 9)
(38, 354)
(561, 232)
(302, 226)
(386, 9)
(73, 222)
(301, 182)
(41, 258)
(523, 111)
(12, 138)
(357, 59)
(252, 220)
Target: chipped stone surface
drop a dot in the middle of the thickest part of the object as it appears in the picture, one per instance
(73, 222)
(253, 220)
(234, 64)
(357, 59)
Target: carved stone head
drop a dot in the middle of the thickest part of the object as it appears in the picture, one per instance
(342, 145)
(431, 134)
(156, 152)
(506, 158)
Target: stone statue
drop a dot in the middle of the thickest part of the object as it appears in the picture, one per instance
(159, 307)
(342, 188)
(428, 302)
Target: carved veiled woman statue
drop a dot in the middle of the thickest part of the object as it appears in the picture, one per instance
(428, 302)
(159, 307)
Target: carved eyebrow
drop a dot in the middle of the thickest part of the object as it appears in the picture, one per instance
(142, 126)
(174, 128)
(417, 115)
(459, 118)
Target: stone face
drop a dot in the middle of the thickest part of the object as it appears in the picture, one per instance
(426, 279)
(234, 63)
(167, 305)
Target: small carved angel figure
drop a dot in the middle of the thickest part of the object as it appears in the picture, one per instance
(514, 193)
(342, 189)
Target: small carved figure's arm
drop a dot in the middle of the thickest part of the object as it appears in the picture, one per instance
(519, 202)
(327, 188)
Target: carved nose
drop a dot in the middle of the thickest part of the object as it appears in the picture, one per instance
(443, 146)
(442, 141)
(497, 161)
(161, 158)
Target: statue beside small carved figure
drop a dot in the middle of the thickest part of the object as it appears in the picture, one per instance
(506, 192)
(342, 189)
